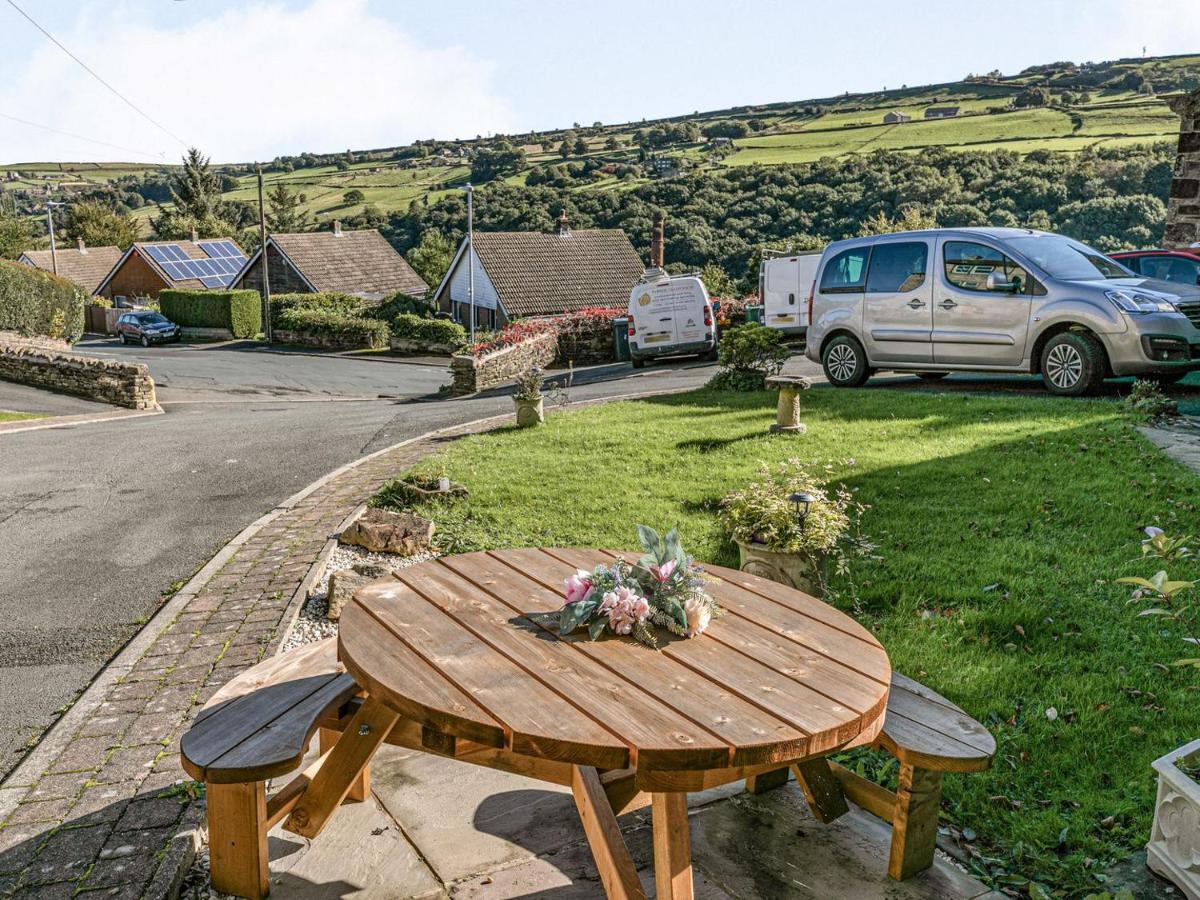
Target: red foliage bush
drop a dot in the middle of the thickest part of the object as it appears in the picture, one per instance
(582, 320)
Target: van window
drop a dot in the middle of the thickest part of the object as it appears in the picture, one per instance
(896, 268)
(846, 272)
(968, 265)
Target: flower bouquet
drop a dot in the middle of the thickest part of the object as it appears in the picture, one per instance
(666, 587)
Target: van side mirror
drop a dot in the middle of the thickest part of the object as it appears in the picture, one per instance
(996, 283)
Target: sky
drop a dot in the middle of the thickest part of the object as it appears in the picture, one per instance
(249, 80)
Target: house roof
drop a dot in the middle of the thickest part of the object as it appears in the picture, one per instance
(191, 249)
(86, 268)
(352, 262)
(537, 274)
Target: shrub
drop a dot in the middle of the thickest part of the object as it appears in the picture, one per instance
(403, 303)
(33, 302)
(330, 301)
(433, 331)
(347, 330)
(748, 354)
(1147, 399)
(238, 311)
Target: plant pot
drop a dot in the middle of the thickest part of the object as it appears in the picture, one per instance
(529, 412)
(1174, 848)
(791, 569)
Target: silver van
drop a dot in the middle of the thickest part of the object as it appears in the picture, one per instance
(995, 300)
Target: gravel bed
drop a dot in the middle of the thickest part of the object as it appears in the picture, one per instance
(311, 623)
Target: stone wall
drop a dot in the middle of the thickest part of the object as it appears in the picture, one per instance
(324, 340)
(1183, 207)
(472, 374)
(431, 348)
(586, 343)
(109, 381)
(12, 338)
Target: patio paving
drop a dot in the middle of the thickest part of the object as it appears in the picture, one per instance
(439, 828)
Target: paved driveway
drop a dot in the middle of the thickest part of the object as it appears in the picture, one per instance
(96, 521)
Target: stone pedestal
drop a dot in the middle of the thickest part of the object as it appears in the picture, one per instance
(792, 569)
(1183, 207)
(787, 416)
(530, 412)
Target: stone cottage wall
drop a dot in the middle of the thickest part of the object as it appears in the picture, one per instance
(109, 381)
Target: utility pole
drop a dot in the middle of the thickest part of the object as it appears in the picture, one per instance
(262, 256)
(50, 204)
(471, 252)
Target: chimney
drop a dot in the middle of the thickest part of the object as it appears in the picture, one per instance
(337, 228)
(81, 245)
(561, 226)
(656, 240)
(195, 235)
(1183, 206)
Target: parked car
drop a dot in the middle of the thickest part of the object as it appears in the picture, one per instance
(149, 327)
(784, 283)
(670, 315)
(1175, 266)
(996, 300)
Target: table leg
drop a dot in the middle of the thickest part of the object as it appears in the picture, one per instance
(360, 790)
(672, 847)
(346, 761)
(821, 789)
(617, 871)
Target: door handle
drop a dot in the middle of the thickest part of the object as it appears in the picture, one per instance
(948, 304)
(915, 304)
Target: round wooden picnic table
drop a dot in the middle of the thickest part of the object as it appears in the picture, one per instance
(464, 652)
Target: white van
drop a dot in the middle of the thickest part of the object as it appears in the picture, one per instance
(784, 283)
(670, 316)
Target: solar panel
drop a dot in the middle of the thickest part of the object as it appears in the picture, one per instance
(213, 281)
(177, 251)
(222, 250)
(174, 271)
(159, 253)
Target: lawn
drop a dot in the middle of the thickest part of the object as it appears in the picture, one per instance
(1001, 522)
(8, 416)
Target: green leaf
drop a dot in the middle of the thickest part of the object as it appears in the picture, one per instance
(1156, 611)
(575, 614)
(676, 611)
(596, 627)
(1139, 582)
(671, 548)
(1038, 891)
(648, 538)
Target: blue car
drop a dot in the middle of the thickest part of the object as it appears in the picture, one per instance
(148, 327)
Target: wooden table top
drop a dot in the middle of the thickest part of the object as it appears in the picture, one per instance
(468, 646)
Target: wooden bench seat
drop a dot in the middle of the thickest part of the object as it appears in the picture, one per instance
(929, 736)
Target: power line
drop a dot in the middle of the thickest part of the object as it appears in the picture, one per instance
(80, 137)
(93, 73)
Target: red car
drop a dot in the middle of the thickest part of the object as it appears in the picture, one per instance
(1178, 266)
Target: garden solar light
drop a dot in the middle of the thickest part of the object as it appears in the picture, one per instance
(802, 500)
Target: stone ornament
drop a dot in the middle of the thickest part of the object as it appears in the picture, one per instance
(1174, 848)
(787, 415)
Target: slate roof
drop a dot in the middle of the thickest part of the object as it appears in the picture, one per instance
(540, 274)
(353, 262)
(86, 268)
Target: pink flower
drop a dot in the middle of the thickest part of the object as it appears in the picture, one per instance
(625, 608)
(663, 573)
(578, 586)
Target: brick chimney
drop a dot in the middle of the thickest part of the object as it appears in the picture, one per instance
(656, 240)
(81, 245)
(1183, 207)
(560, 225)
(195, 235)
(337, 228)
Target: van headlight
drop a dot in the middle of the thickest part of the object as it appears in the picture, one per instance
(1137, 302)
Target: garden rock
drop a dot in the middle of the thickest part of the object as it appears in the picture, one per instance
(381, 531)
(343, 584)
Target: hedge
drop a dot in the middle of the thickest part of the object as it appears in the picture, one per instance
(433, 331)
(347, 329)
(36, 303)
(238, 311)
(330, 302)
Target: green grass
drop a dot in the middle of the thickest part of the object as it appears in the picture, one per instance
(1001, 522)
(8, 416)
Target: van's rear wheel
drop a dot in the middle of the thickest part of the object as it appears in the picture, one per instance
(845, 362)
(1073, 364)
(638, 363)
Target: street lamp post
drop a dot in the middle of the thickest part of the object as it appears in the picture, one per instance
(471, 253)
(50, 204)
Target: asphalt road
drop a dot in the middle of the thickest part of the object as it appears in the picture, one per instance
(96, 521)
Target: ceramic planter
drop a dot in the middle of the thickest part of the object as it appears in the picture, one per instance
(529, 412)
(791, 569)
(1174, 848)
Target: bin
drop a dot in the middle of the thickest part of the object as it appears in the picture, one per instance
(754, 314)
(621, 339)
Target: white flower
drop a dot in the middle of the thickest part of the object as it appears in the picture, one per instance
(1152, 532)
(698, 615)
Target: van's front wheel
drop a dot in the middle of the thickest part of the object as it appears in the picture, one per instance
(845, 362)
(1073, 364)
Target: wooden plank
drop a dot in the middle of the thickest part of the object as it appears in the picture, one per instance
(756, 735)
(408, 682)
(617, 871)
(285, 799)
(348, 758)
(914, 825)
(662, 736)
(767, 781)
(672, 848)
(535, 719)
(878, 801)
(620, 785)
(822, 791)
(933, 733)
(237, 839)
(317, 658)
(360, 790)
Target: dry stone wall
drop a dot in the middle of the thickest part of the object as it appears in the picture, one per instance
(472, 374)
(109, 381)
(1183, 207)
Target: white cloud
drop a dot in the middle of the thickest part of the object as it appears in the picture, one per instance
(248, 84)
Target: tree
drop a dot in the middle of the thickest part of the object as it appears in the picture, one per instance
(1032, 96)
(910, 219)
(98, 225)
(580, 147)
(496, 162)
(284, 212)
(564, 149)
(719, 284)
(432, 257)
(612, 143)
(16, 236)
(729, 129)
(353, 197)
(195, 193)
